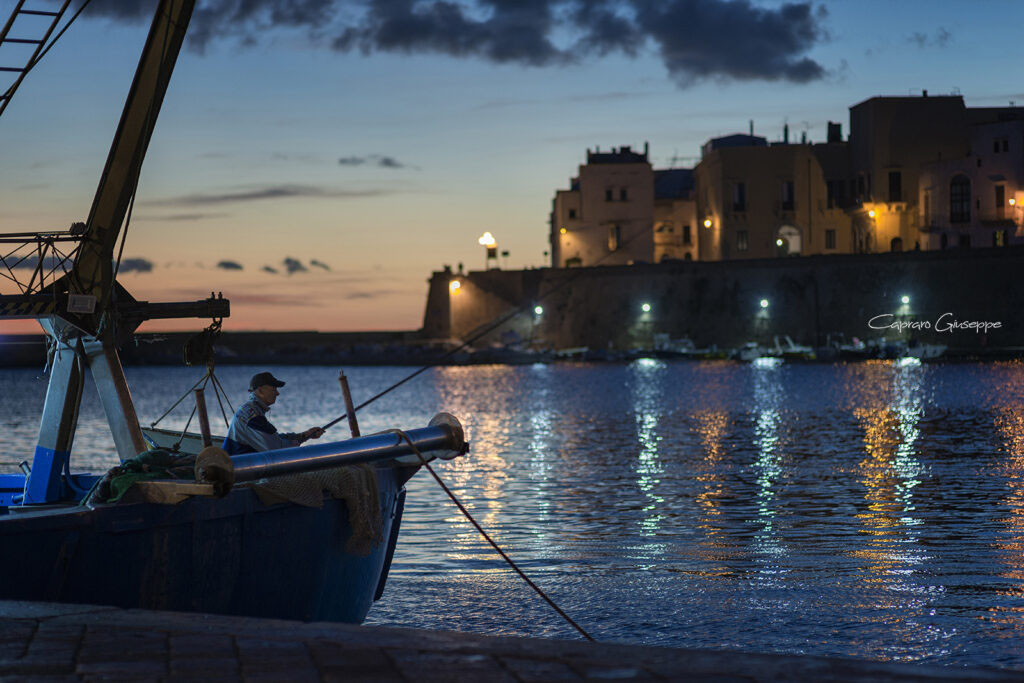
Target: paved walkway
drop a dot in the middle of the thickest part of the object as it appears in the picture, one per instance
(51, 642)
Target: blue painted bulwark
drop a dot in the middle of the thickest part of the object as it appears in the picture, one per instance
(44, 483)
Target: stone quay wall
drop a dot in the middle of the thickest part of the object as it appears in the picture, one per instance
(811, 299)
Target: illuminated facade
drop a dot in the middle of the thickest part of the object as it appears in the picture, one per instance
(917, 173)
(620, 211)
(977, 200)
(761, 200)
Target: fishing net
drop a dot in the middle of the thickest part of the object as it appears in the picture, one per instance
(355, 484)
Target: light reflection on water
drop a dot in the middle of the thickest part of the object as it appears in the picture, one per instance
(872, 510)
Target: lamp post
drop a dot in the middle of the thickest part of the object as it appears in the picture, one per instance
(491, 245)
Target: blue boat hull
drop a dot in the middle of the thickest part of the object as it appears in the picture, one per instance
(232, 555)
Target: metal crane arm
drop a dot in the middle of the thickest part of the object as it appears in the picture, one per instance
(92, 273)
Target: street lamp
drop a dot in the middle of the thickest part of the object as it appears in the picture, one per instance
(488, 242)
(538, 310)
(645, 307)
(454, 287)
(764, 303)
(905, 299)
(707, 222)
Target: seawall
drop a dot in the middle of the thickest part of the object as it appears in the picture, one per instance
(811, 299)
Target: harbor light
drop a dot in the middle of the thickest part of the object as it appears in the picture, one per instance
(538, 310)
(707, 222)
(764, 303)
(905, 299)
(491, 245)
(645, 307)
(454, 286)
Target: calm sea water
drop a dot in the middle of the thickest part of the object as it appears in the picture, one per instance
(872, 510)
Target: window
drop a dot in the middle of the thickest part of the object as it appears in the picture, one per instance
(830, 239)
(927, 207)
(608, 195)
(998, 238)
(614, 237)
(944, 241)
(960, 199)
(1001, 145)
(572, 213)
(834, 190)
(896, 244)
(574, 262)
(742, 242)
(787, 195)
(965, 241)
(895, 186)
(623, 194)
(860, 187)
(686, 234)
(739, 197)
(1000, 196)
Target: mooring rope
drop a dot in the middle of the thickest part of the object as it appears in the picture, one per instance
(487, 537)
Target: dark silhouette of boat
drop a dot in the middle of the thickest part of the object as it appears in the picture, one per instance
(216, 540)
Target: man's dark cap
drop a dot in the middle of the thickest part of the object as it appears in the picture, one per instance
(262, 379)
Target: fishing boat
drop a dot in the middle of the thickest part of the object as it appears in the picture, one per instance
(229, 537)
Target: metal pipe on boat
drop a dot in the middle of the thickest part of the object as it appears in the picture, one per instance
(444, 434)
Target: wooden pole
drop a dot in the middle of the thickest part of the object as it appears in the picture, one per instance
(204, 419)
(349, 406)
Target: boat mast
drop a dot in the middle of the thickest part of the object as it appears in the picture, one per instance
(86, 313)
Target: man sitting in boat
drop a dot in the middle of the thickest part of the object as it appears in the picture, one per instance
(250, 431)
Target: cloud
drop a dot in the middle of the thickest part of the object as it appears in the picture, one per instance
(229, 265)
(264, 193)
(319, 264)
(135, 265)
(269, 269)
(696, 39)
(373, 159)
(50, 263)
(182, 217)
(941, 38)
(292, 266)
(369, 294)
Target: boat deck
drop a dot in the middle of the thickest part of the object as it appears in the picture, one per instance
(47, 641)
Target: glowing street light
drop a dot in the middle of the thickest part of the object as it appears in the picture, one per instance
(645, 307)
(764, 303)
(778, 242)
(454, 286)
(487, 241)
(562, 231)
(871, 213)
(905, 299)
(707, 222)
(538, 310)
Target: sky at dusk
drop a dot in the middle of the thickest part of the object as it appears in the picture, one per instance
(315, 160)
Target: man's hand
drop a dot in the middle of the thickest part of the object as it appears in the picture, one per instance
(312, 433)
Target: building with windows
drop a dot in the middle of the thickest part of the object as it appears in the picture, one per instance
(917, 173)
(675, 216)
(760, 200)
(977, 200)
(606, 217)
